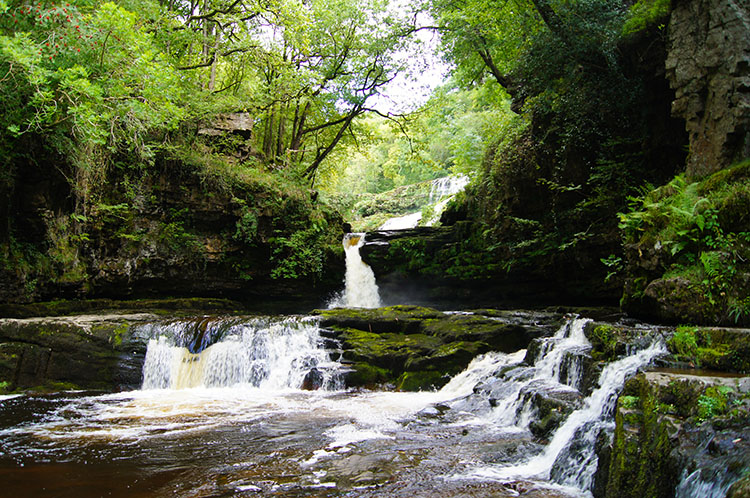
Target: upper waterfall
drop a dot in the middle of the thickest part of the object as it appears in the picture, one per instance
(360, 288)
(442, 191)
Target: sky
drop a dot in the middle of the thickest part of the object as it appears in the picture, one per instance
(411, 89)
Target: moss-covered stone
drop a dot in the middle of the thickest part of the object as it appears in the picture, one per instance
(414, 347)
(158, 306)
(84, 351)
(663, 421)
(422, 380)
(365, 375)
(721, 349)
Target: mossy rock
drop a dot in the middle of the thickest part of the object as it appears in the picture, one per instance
(73, 307)
(609, 342)
(365, 375)
(393, 319)
(82, 351)
(724, 350)
(407, 339)
(421, 380)
(499, 336)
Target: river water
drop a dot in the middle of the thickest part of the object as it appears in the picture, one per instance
(222, 413)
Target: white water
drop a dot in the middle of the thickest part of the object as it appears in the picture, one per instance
(448, 185)
(577, 468)
(692, 485)
(569, 338)
(250, 379)
(360, 288)
(442, 191)
(402, 222)
(269, 355)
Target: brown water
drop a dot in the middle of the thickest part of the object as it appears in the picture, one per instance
(246, 442)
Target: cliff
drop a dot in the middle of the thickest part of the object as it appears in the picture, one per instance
(195, 223)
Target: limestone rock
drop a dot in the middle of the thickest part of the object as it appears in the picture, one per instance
(708, 66)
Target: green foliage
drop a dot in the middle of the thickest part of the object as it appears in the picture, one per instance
(713, 402)
(629, 402)
(302, 254)
(698, 229)
(645, 13)
(683, 342)
(614, 264)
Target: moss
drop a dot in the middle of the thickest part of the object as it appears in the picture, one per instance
(54, 386)
(716, 349)
(421, 380)
(603, 339)
(641, 464)
(367, 375)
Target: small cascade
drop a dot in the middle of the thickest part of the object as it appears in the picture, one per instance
(448, 185)
(513, 407)
(260, 353)
(402, 222)
(360, 288)
(693, 485)
(442, 191)
(569, 459)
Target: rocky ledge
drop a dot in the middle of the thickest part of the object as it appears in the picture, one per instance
(79, 352)
(416, 348)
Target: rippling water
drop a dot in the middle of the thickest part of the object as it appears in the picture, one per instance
(257, 437)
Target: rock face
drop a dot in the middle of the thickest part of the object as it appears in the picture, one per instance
(173, 232)
(417, 348)
(680, 431)
(708, 66)
(445, 267)
(81, 352)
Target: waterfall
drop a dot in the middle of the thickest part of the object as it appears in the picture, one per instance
(448, 185)
(402, 222)
(257, 352)
(442, 191)
(692, 484)
(515, 409)
(569, 459)
(360, 288)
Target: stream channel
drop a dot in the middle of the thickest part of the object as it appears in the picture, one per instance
(258, 406)
(222, 413)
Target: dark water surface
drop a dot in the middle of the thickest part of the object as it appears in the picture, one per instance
(246, 442)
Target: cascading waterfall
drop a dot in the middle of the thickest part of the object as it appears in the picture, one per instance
(558, 462)
(554, 352)
(442, 191)
(259, 352)
(693, 485)
(360, 288)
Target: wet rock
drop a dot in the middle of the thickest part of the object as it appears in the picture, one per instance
(677, 429)
(418, 348)
(740, 489)
(551, 406)
(89, 352)
(313, 380)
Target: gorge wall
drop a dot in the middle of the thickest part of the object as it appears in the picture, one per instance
(708, 66)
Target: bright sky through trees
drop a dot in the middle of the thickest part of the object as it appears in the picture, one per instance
(426, 69)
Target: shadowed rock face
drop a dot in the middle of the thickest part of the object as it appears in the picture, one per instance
(81, 352)
(708, 66)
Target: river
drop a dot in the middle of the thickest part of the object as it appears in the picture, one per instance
(222, 413)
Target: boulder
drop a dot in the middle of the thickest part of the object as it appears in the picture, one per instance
(78, 352)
